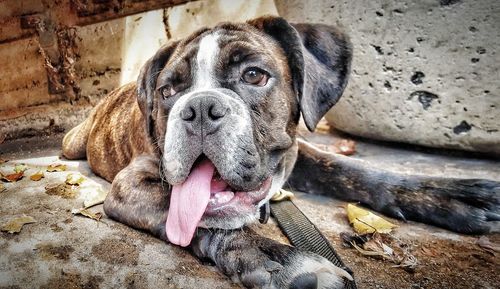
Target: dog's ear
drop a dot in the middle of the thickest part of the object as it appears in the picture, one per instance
(146, 83)
(319, 57)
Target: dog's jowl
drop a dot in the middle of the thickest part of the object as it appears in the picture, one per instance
(208, 134)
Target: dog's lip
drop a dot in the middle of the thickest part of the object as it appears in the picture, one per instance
(241, 202)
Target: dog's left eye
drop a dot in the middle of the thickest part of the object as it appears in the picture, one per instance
(167, 91)
(255, 76)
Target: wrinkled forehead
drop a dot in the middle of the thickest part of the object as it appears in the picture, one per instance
(226, 42)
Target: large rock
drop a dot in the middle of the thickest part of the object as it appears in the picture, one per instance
(424, 72)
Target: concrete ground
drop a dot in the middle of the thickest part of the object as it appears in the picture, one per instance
(62, 250)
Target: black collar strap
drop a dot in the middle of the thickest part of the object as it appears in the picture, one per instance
(304, 235)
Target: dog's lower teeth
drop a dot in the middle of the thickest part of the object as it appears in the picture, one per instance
(221, 198)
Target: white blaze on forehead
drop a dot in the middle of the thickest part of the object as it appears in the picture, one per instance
(206, 58)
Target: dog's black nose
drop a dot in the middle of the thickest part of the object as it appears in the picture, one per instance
(204, 114)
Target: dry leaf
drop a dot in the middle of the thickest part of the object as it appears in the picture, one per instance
(344, 147)
(386, 247)
(87, 213)
(18, 168)
(429, 251)
(2, 188)
(96, 199)
(56, 168)
(282, 195)
(74, 179)
(370, 252)
(15, 225)
(12, 177)
(485, 243)
(38, 176)
(364, 221)
(323, 126)
(63, 190)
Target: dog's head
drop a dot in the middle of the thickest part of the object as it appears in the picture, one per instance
(223, 106)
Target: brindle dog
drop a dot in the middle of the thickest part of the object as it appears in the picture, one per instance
(208, 134)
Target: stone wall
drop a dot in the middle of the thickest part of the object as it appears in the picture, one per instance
(424, 72)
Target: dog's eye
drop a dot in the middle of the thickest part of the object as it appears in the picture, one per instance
(167, 91)
(255, 76)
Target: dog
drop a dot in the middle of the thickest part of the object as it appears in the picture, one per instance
(209, 133)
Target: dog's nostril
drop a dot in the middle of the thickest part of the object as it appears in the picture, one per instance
(188, 114)
(216, 111)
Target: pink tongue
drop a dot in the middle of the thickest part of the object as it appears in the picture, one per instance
(188, 203)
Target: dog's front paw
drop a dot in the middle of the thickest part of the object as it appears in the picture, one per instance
(470, 206)
(307, 270)
(257, 262)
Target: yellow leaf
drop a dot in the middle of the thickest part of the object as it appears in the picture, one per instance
(56, 168)
(282, 195)
(20, 168)
(74, 179)
(62, 190)
(38, 176)
(2, 188)
(15, 225)
(365, 222)
(87, 213)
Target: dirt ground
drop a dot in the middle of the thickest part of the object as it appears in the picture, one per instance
(62, 250)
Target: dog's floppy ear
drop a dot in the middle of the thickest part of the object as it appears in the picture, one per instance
(146, 83)
(319, 57)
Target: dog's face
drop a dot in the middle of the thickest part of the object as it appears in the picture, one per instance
(223, 106)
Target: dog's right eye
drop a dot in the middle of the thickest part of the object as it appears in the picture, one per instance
(167, 91)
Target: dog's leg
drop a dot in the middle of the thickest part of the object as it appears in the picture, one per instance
(462, 205)
(258, 262)
(74, 144)
(138, 197)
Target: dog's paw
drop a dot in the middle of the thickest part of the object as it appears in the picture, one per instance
(257, 262)
(467, 206)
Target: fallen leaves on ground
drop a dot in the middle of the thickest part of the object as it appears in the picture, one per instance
(18, 168)
(322, 126)
(364, 221)
(485, 243)
(2, 188)
(63, 190)
(74, 179)
(344, 146)
(96, 199)
(37, 176)
(15, 225)
(56, 168)
(382, 246)
(87, 213)
(429, 251)
(282, 195)
(12, 177)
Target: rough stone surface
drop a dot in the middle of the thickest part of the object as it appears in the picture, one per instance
(424, 72)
